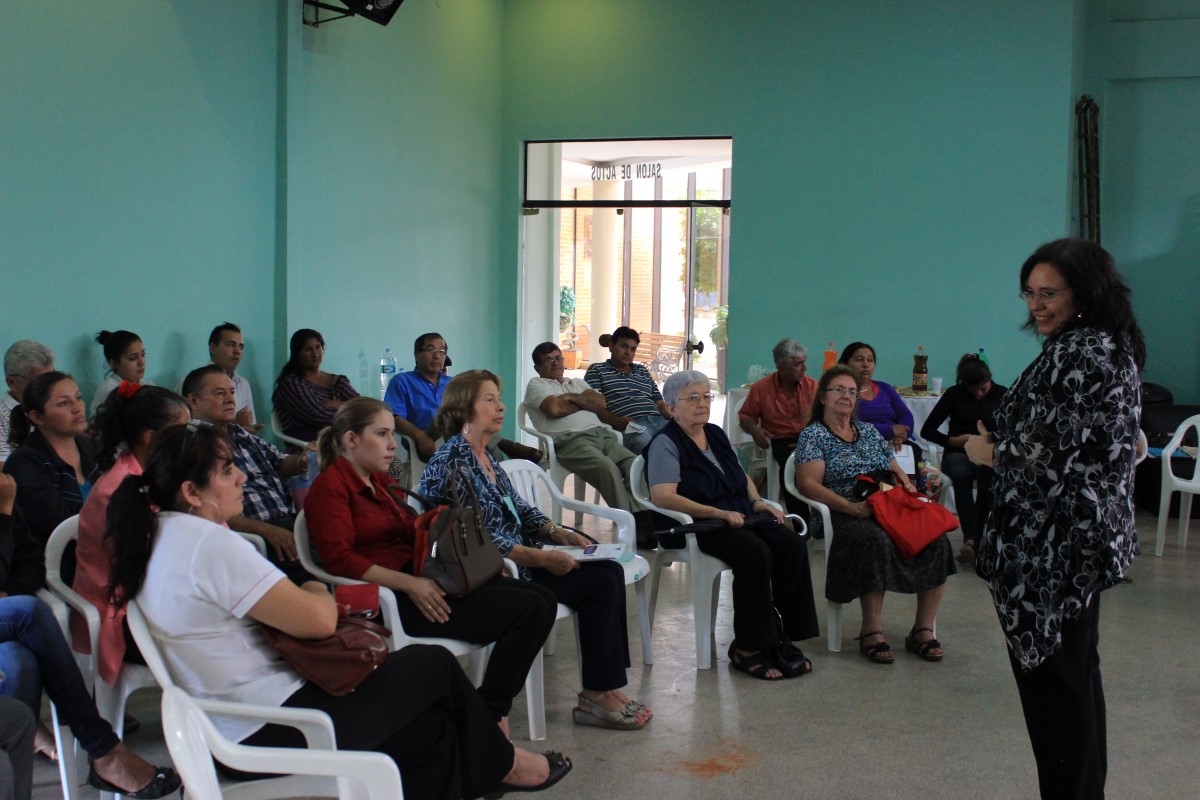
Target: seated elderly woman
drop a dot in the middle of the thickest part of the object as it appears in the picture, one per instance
(471, 413)
(691, 467)
(362, 532)
(305, 396)
(206, 593)
(863, 562)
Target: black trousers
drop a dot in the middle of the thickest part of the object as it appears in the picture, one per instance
(1063, 701)
(516, 615)
(596, 592)
(420, 709)
(770, 572)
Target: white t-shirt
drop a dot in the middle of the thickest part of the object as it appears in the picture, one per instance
(541, 388)
(201, 581)
(243, 395)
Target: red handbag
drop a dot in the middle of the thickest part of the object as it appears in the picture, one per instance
(910, 521)
(337, 663)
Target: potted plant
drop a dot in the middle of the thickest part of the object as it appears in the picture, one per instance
(567, 338)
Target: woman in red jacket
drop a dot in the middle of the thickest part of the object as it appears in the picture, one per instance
(361, 531)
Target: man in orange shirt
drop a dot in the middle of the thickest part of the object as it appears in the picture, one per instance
(776, 409)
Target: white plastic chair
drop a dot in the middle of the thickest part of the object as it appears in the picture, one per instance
(535, 699)
(70, 763)
(389, 610)
(762, 458)
(110, 700)
(315, 725)
(558, 473)
(527, 478)
(194, 742)
(408, 452)
(277, 429)
(706, 572)
(833, 611)
(1171, 483)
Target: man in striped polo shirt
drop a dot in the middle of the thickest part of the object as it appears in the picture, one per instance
(634, 404)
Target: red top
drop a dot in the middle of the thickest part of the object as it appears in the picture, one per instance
(782, 414)
(355, 526)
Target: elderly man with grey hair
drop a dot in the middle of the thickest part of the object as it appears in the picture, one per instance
(776, 410)
(23, 362)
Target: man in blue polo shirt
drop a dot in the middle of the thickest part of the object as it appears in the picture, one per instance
(415, 396)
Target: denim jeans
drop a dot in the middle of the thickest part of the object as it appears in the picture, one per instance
(35, 656)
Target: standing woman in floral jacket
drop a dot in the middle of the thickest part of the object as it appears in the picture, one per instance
(1061, 529)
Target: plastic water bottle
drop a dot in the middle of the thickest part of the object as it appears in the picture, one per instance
(983, 357)
(387, 370)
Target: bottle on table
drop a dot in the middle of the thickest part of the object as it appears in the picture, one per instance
(983, 357)
(830, 357)
(920, 379)
(387, 370)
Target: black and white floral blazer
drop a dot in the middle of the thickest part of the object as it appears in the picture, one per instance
(1061, 527)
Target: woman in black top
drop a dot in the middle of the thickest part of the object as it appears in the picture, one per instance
(970, 401)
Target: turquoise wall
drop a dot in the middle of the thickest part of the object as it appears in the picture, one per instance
(894, 163)
(393, 183)
(169, 164)
(137, 179)
(1143, 68)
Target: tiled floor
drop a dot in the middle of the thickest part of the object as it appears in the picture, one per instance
(855, 730)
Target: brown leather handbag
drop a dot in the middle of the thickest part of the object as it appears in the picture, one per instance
(337, 663)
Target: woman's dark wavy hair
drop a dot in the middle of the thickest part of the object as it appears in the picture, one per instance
(295, 345)
(817, 412)
(34, 398)
(853, 348)
(115, 343)
(1101, 295)
(178, 453)
(972, 371)
(150, 408)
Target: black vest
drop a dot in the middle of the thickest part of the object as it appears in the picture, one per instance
(702, 482)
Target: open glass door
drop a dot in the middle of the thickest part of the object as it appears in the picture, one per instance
(643, 241)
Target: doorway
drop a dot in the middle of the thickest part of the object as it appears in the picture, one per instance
(641, 238)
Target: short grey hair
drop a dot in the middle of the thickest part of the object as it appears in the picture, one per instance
(787, 349)
(680, 381)
(25, 356)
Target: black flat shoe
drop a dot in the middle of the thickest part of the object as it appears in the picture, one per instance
(164, 782)
(560, 765)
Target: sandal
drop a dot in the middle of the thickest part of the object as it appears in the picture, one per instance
(599, 717)
(966, 554)
(923, 648)
(878, 653)
(794, 657)
(560, 765)
(757, 665)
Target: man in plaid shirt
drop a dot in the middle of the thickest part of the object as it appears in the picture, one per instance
(267, 507)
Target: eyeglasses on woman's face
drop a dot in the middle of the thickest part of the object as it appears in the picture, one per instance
(843, 391)
(697, 397)
(1045, 296)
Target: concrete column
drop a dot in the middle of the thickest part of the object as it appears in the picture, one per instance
(607, 231)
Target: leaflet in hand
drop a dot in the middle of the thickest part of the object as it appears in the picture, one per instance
(593, 552)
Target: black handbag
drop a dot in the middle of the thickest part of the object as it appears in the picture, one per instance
(452, 545)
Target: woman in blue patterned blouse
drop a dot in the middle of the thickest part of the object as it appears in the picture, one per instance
(471, 413)
(863, 561)
(1061, 528)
